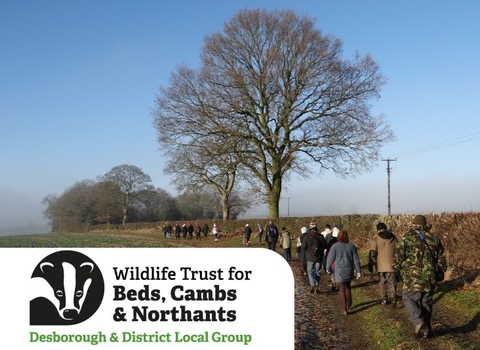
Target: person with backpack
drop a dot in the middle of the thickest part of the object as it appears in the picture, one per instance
(271, 235)
(314, 246)
(420, 259)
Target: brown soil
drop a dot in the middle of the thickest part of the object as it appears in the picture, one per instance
(318, 322)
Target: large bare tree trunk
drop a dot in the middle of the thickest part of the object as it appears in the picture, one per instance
(225, 207)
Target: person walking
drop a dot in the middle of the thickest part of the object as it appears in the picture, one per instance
(343, 255)
(177, 231)
(169, 230)
(215, 231)
(190, 230)
(382, 252)
(299, 240)
(300, 251)
(205, 230)
(198, 232)
(247, 233)
(420, 259)
(327, 230)
(331, 240)
(271, 235)
(184, 231)
(286, 244)
(327, 233)
(164, 230)
(313, 246)
(259, 233)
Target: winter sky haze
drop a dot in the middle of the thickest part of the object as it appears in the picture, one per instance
(78, 81)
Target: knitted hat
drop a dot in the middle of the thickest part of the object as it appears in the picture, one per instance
(303, 229)
(313, 224)
(381, 226)
(419, 220)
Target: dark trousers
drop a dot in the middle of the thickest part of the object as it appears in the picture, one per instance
(287, 253)
(419, 306)
(345, 295)
(272, 245)
(387, 285)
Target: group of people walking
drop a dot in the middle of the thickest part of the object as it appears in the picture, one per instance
(272, 236)
(417, 260)
(185, 231)
(332, 251)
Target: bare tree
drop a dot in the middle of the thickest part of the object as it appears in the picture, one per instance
(205, 164)
(130, 182)
(272, 84)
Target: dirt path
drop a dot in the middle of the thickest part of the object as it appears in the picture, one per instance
(318, 322)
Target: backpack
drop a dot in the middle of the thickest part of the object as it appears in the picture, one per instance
(272, 233)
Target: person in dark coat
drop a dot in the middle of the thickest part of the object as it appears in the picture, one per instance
(190, 230)
(177, 231)
(169, 230)
(271, 235)
(184, 231)
(247, 233)
(198, 232)
(300, 251)
(205, 230)
(314, 245)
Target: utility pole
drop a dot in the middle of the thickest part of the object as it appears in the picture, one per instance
(389, 170)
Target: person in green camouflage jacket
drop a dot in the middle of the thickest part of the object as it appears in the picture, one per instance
(418, 257)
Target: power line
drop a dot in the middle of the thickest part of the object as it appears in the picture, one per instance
(433, 147)
(440, 145)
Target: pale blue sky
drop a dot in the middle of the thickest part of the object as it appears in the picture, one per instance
(78, 81)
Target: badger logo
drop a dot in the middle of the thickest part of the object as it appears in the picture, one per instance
(67, 289)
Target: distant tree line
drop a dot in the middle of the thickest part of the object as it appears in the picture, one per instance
(125, 194)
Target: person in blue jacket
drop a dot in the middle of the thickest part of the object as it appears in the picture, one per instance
(343, 255)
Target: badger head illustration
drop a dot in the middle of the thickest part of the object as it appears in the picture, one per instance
(67, 289)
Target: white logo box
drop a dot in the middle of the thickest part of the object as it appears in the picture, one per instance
(176, 298)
